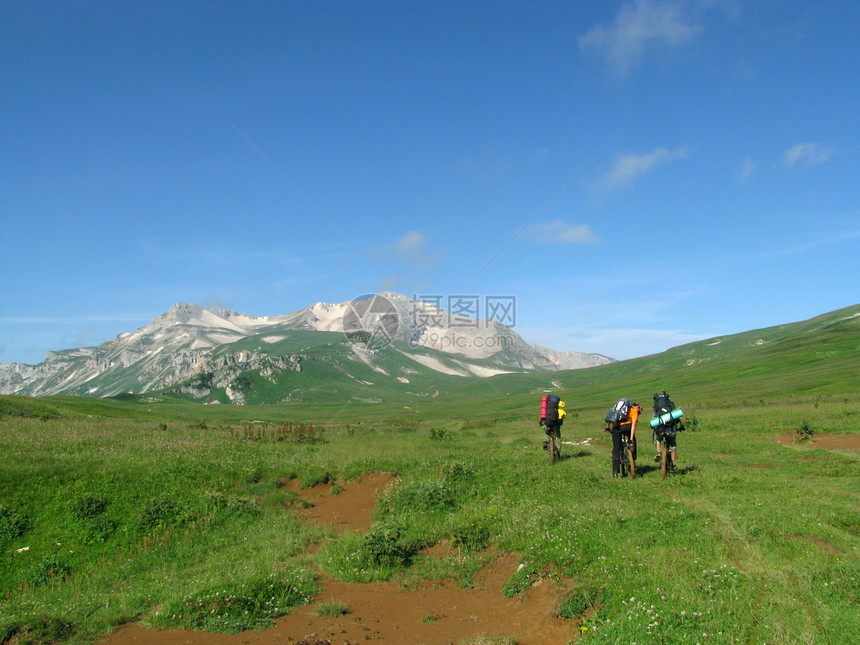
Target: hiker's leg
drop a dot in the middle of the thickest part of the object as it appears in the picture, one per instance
(617, 448)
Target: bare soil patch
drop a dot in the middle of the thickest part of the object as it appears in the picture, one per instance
(826, 441)
(431, 613)
(351, 508)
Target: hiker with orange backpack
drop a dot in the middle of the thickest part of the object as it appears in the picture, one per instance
(621, 423)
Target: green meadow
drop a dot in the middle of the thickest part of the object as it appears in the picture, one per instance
(174, 514)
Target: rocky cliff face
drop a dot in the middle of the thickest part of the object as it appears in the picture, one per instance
(189, 340)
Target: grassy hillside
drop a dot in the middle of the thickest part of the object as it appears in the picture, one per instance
(123, 509)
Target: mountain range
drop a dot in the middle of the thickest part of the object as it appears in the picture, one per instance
(217, 355)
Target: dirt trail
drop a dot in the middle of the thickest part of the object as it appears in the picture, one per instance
(826, 441)
(384, 612)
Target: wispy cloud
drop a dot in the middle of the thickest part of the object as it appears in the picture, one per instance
(807, 154)
(746, 170)
(639, 26)
(560, 232)
(628, 167)
(410, 249)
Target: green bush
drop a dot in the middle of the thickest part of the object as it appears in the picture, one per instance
(99, 530)
(804, 432)
(385, 544)
(440, 434)
(423, 496)
(160, 512)
(48, 570)
(88, 507)
(12, 523)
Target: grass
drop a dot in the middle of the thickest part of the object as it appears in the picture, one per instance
(332, 609)
(754, 540)
(169, 513)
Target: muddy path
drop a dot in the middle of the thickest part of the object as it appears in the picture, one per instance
(386, 612)
(849, 442)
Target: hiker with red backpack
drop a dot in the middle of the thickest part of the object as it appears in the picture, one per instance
(621, 423)
(552, 415)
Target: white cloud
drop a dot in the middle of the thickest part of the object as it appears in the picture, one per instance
(409, 249)
(639, 26)
(746, 170)
(560, 232)
(628, 167)
(807, 154)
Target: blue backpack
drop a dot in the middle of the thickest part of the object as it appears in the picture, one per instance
(618, 413)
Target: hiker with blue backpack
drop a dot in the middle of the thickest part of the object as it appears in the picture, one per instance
(621, 423)
(667, 422)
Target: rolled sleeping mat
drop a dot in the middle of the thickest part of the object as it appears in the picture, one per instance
(663, 419)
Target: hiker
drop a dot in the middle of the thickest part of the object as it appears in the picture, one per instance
(666, 423)
(552, 423)
(621, 423)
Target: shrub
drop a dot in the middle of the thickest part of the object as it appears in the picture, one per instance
(99, 530)
(160, 512)
(12, 523)
(89, 507)
(804, 432)
(423, 496)
(48, 570)
(440, 434)
(385, 544)
(318, 477)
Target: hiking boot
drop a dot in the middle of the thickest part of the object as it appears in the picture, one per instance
(545, 445)
(657, 459)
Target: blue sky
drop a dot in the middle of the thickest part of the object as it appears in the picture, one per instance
(636, 174)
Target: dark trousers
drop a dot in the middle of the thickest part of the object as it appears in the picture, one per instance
(620, 436)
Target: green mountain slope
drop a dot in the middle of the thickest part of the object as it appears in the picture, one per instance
(814, 357)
